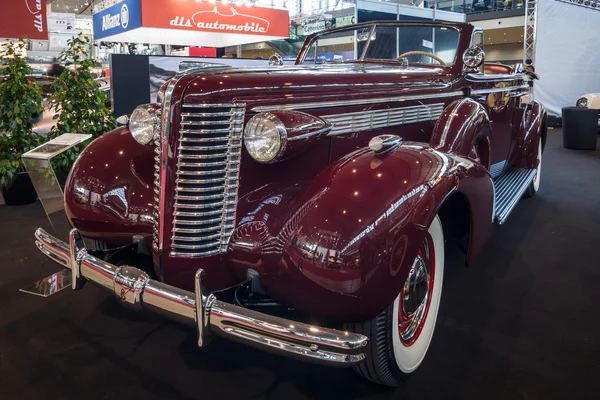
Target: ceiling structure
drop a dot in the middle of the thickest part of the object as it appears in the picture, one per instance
(80, 7)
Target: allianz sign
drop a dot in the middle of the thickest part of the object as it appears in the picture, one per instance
(110, 21)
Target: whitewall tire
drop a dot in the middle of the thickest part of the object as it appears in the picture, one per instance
(534, 186)
(400, 336)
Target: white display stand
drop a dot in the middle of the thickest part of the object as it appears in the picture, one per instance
(38, 166)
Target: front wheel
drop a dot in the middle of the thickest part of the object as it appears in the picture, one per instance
(399, 337)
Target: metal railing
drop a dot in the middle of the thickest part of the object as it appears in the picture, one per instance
(476, 6)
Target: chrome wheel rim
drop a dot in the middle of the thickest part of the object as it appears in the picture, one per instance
(416, 294)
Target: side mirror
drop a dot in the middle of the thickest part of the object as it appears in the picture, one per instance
(275, 60)
(123, 120)
(473, 59)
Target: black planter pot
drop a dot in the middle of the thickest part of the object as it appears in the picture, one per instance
(20, 191)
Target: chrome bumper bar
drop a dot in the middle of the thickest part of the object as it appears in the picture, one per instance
(136, 290)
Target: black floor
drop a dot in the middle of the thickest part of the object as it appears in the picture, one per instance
(524, 323)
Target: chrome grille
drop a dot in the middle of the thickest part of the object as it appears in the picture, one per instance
(206, 182)
(155, 211)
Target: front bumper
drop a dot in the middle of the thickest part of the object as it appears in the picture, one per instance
(135, 289)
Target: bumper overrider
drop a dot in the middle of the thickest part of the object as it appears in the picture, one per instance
(134, 289)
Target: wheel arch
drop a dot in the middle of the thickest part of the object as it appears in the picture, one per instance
(456, 217)
(464, 129)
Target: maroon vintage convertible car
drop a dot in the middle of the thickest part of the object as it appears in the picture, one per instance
(304, 209)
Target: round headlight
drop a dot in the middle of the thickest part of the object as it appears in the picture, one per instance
(144, 124)
(583, 102)
(265, 137)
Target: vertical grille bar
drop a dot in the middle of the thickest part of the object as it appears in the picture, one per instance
(156, 211)
(206, 181)
(232, 174)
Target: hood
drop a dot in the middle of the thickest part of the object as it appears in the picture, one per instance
(248, 85)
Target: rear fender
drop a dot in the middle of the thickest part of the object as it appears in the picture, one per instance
(533, 126)
(343, 246)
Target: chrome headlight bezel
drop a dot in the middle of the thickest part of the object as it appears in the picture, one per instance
(583, 102)
(144, 123)
(279, 137)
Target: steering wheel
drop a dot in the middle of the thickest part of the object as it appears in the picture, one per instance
(421, 53)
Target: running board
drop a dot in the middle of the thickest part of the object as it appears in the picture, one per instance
(508, 190)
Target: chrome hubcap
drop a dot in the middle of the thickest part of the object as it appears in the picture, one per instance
(415, 296)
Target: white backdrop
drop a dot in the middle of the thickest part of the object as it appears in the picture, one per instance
(567, 55)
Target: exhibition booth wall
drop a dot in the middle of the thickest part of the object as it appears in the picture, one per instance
(136, 79)
(566, 54)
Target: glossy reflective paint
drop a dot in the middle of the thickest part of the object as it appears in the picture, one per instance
(108, 194)
(342, 247)
(333, 229)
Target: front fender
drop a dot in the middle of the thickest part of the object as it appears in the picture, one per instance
(342, 246)
(108, 194)
(464, 129)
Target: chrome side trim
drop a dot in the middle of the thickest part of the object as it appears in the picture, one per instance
(135, 290)
(480, 77)
(310, 134)
(499, 89)
(357, 102)
(370, 120)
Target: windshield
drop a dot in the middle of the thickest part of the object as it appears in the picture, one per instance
(425, 45)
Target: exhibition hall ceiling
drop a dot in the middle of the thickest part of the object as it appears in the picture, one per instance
(71, 6)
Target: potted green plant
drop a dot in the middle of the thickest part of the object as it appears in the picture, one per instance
(78, 101)
(20, 103)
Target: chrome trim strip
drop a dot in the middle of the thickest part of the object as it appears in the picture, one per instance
(357, 102)
(180, 180)
(204, 115)
(164, 142)
(496, 77)
(202, 310)
(370, 120)
(205, 139)
(500, 89)
(311, 134)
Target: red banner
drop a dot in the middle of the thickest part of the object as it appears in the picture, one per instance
(24, 18)
(214, 17)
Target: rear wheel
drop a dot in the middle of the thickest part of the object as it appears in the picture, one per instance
(399, 337)
(534, 186)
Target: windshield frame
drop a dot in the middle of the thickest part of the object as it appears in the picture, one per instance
(300, 60)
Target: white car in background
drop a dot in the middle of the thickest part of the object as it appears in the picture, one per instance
(591, 100)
